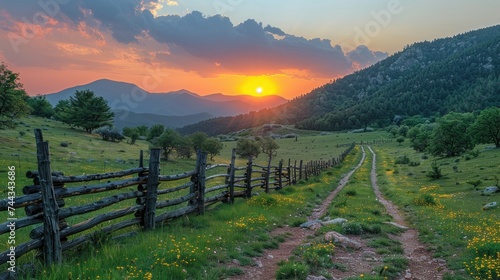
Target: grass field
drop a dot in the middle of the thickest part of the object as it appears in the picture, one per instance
(447, 212)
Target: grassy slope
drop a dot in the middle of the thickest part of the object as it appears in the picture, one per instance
(453, 223)
(200, 247)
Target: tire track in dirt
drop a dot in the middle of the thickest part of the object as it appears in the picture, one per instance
(422, 266)
(267, 265)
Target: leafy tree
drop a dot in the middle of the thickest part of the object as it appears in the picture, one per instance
(486, 129)
(168, 141)
(155, 131)
(403, 130)
(420, 136)
(128, 131)
(62, 111)
(89, 111)
(400, 140)
(269, 146)
(109, 134)
(246, 147)
(142, 130)
(12, 97)
(213, 147)
(198, 139)
(40, 107)
(451, 137)
(185, 147)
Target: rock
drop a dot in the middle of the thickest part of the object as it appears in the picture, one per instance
(342, 240)
(490, 205)
(491, 190)
(369, 256)
(334, 221)
(397, 225)
(259, 264)
(310, 224)
(236, 262)
(270, 256)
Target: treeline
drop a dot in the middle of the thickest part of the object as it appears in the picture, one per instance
(451, 135)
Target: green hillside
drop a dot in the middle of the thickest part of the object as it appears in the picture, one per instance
(460, 74)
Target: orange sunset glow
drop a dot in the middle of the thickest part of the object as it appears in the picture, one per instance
(246, 49)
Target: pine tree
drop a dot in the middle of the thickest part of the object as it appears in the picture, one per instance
(89, 111)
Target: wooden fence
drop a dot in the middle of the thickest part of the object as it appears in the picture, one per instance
(44, 201)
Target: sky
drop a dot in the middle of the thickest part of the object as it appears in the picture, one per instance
(257, 47)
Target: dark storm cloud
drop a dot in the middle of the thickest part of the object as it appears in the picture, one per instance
(246, 48)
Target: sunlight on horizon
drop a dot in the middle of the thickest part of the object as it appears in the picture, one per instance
(259, 86)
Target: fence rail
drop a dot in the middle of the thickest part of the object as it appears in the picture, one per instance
(45, 206)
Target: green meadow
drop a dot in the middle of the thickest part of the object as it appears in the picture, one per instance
(447, 212)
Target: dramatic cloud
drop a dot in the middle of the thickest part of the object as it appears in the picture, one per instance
(363, 57)
(206, 45)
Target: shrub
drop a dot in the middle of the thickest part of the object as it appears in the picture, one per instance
(109, 134)
(393, 266)
(352, 228)
(319, 255)
(474, 153)
(435, 172)
(414, 163)
(404, 159)
(64, 144)
(424, 200)
(374, 229)
(292, 270)
(350, 193)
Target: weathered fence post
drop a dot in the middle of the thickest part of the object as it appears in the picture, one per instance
(305, 171)
(300, 169)
(280, 171)
(289, 172)
(248, 178)
(268, 174)
(201, 170)
(295, 172)
(232, 170)
(52, 250)
(152, 189)
(141, 158)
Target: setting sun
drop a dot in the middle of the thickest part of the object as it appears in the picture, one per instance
(258, 86)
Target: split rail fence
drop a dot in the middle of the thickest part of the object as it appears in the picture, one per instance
(44, 201)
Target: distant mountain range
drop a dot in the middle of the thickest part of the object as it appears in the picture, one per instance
(427, 79)
(134, 106)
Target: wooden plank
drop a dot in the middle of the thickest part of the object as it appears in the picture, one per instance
(109, 229)
(25, 200)
(176, 214)
(94, 177)
(176, 177)
(32, 174)
(175, 201)
(92, 222)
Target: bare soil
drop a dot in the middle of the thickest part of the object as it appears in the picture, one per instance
(422, 266)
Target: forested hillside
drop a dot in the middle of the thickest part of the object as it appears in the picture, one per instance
(460, 74)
